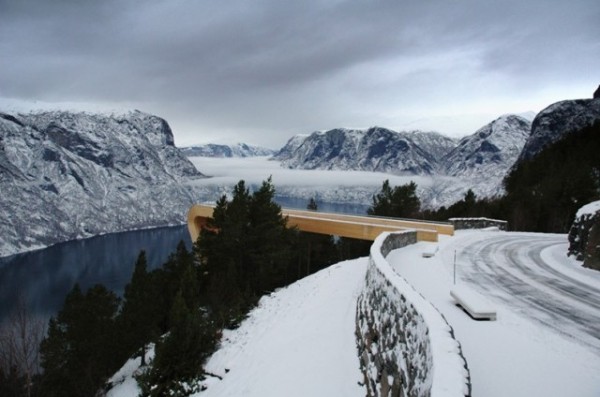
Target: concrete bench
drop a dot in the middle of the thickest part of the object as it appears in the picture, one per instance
(430, 252)
(473, 303)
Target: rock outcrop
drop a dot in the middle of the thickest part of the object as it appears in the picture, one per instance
(558, 120)
(491, 151)
(584, 236)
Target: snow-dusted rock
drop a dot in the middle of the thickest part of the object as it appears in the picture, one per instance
(584, 235)
(70, 175)
(558, 120)
(491, 151)
(216, 150)
(374, 149)
(478, 162)
(287, 151)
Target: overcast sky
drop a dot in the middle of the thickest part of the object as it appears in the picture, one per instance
(261, 71)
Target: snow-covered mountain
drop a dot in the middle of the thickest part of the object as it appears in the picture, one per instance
(70, 175)
(217, 150)
(490, 151)
(374, 149)
(557, 120)
(478, 162)
(288, 150)
(434, 143)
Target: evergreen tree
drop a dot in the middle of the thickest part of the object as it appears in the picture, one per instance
(245, 251)
(139, 318)
(397, 202)
(270, 241)
(79, 353)
(180, 356)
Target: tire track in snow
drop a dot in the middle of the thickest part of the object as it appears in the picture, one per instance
(510, 268)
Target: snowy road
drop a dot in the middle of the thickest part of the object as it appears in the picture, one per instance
(531, 274)
(545, 339)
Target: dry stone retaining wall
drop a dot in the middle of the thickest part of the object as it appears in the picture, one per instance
(405, 345)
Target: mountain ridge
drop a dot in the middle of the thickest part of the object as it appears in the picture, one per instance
(69, 175)
(222, 150)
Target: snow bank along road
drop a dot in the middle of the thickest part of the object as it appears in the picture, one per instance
(527, 272)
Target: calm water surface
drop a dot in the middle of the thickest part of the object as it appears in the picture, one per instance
(44, 277)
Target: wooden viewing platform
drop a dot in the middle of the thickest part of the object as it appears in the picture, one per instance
(352, 226)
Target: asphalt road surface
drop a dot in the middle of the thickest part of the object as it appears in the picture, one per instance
(531, 274)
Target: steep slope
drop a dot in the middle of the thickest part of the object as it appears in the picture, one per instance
(558, 120)
(216, 150)
(374, 149)
(490, 151)
(287, 151)
(71, 175)
(434, 143)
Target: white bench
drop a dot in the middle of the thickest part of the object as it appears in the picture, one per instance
(473, 303)
(430, 252)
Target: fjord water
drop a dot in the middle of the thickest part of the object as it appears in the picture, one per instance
(44, 277)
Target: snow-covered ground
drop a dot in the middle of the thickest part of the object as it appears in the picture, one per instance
(300, 340)
(536, 347)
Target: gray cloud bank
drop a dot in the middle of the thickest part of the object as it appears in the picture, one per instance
(260, 71)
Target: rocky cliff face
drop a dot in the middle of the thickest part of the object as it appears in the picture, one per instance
(490, 151)
(72, 175)
(558, 120)
(375, 149)
(216, 150)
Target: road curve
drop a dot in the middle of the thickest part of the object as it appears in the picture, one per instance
(517, 270)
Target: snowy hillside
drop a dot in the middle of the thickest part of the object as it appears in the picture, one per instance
(491, 151)
(216, 150)
(375, 149)
(70, 175)
(479, 161)
(299, 341)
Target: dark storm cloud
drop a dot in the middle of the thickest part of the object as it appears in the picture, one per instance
(291, 66)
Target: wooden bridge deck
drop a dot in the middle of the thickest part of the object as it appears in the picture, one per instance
(352, 226)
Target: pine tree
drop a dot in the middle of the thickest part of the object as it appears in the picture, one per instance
(269, 241)
(180, 356)
(245, 251)
(139, 317)
(398, 202)
(79, 353)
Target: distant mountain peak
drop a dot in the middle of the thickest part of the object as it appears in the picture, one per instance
(491, 150)
(372, 149)
(222, 150)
